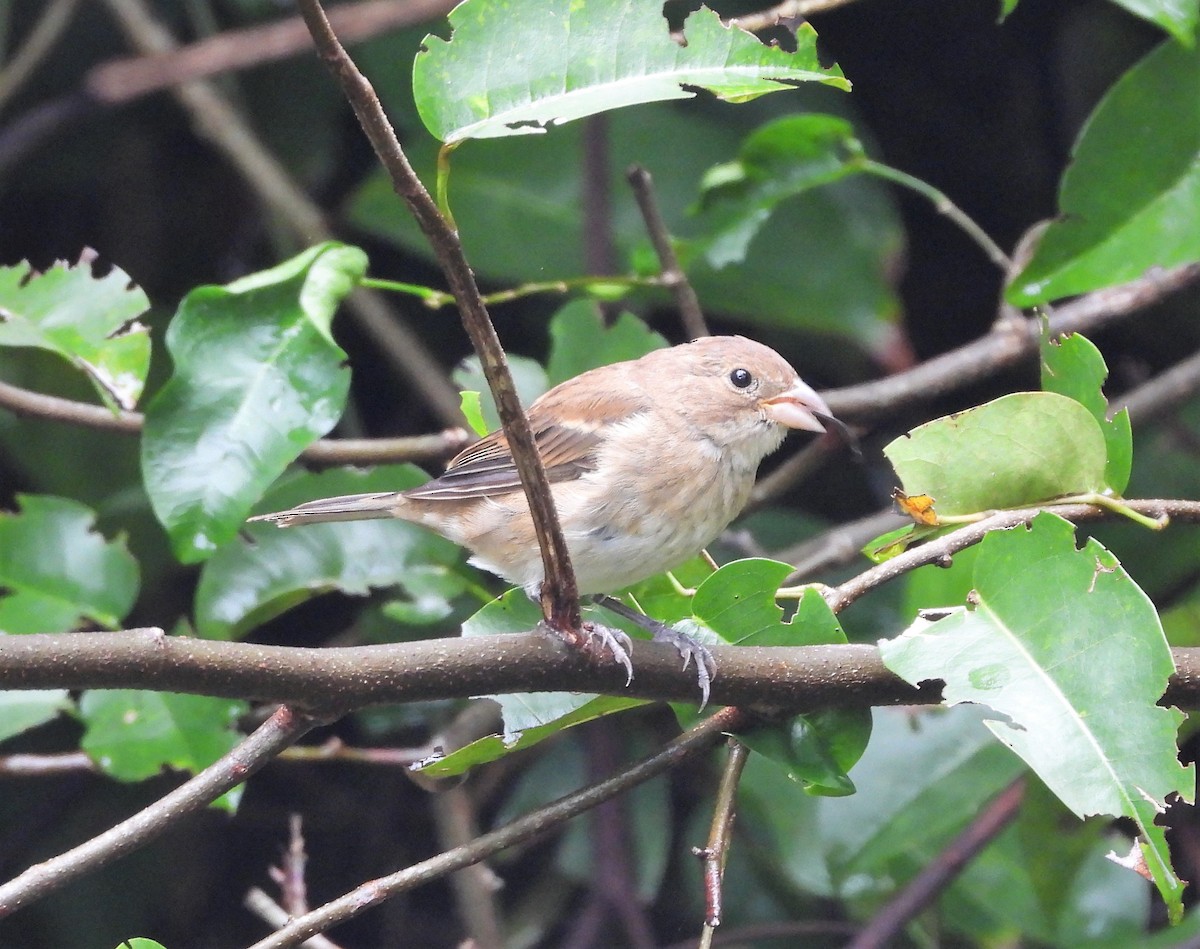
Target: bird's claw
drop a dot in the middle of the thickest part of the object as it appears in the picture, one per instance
(690, 648)
(614, 641)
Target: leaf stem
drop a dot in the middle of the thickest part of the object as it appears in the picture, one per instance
(943, 205)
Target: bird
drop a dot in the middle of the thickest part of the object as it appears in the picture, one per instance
(647, 460)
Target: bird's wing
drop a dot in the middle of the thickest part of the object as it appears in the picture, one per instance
(568, 428)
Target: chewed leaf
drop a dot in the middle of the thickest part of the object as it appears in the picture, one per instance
(90, 321)
(1073, 366)
(1020, 449)
(1070, 651)
(514, 69)
(57, 573)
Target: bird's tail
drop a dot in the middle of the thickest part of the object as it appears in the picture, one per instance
(349, 507)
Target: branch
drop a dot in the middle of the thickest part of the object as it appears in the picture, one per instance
(45, 34)
(560, 599)
(792, 678)
(326, 451)
(720, 832)
(672, 273)
(276, 733)
(1012, 341)
(123, 80)
(698, 738)
(924, 888)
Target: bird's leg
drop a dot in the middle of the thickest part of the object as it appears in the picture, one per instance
(564, 619)
(688, 646)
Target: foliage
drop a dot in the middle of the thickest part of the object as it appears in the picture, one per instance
(1049, 642)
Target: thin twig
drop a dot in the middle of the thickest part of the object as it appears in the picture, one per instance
(715, 853)
(794, 470)
(290, 875)
(326, 451)
(696, 739)
(55, 19)
(940, 872)
(270, 912)
(672, 273)
(285, 726)
(782, 12)
(943, 205)
(215, 119)
(560, 600)
(839, 545)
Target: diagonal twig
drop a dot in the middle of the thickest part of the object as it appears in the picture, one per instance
(560, 600)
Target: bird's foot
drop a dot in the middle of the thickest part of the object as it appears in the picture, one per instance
(615, 641)
(596, 639)
(688, 646)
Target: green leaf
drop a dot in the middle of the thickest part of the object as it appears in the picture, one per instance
(56, 573)
(737, 603)
(538, 721)
(580, 340)
(1020, 449)
(1073, 366)
(251, 581)
(134, 735)
(1064, 644)
(778, 161)
(257, 379)
(472, 409)
(1177, 17)
(1130, 199)
(515, 69)
(139, 942)
(89, 321)
(924, 776)
(528, 376)
(22, 710)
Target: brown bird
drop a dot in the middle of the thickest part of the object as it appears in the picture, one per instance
(648, 461)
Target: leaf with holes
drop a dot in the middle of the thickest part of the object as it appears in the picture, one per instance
(88, 320)
(514, 69)
(1066, 646)
(57, 573)
(1019, 449)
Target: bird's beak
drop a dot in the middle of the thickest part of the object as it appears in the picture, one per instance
(799, 407)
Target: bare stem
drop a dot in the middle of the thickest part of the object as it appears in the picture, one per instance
(560, 596)
(720, 832)
(696, 739)
(672, 273)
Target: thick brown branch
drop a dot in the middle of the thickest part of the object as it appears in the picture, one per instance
(560, 597)
(800, 677)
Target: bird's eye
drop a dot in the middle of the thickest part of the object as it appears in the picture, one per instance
(741, 378)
